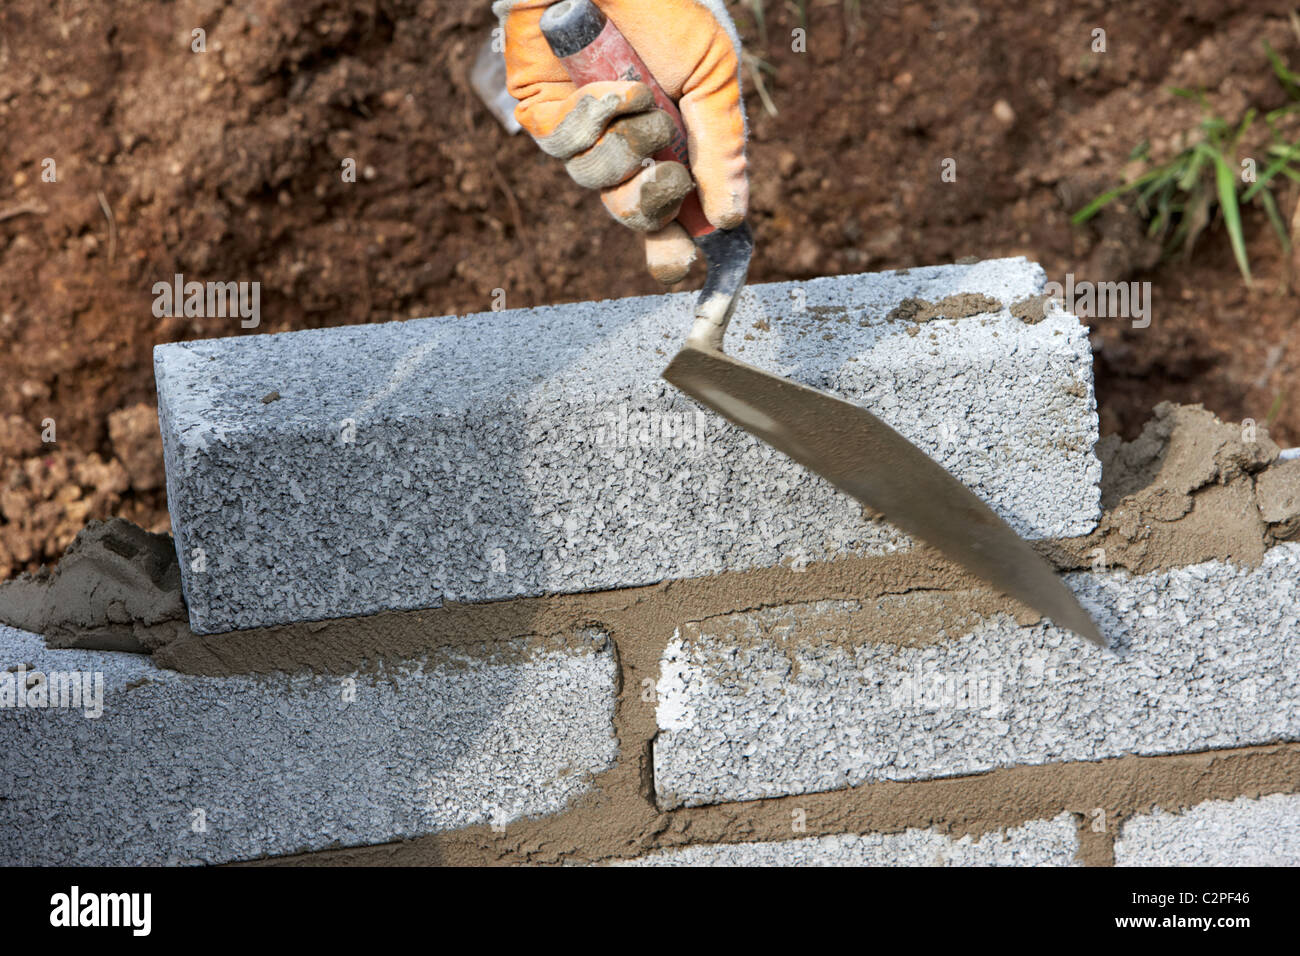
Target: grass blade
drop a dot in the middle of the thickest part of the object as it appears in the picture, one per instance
(1090, 210)
(1290, 82)
(1226, 182)
(760, 20)
(1262, 181)
(1275, 217)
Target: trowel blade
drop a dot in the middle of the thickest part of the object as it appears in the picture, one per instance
(858, 453)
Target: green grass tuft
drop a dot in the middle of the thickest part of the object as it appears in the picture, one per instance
(1179, 198)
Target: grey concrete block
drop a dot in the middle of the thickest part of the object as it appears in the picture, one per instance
(275, 765)
(1037, 843)
(1241, 832)
(520, 453)
(759, 705)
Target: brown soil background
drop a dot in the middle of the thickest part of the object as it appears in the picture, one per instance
(226, 166)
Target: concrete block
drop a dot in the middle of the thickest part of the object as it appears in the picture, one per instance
(182, 769)
(789, 700)
(536, 451)
(1241, 832)
(1038, 843)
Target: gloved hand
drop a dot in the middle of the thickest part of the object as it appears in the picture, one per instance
(604, 131)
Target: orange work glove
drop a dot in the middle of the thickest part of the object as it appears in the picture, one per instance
(605, 131)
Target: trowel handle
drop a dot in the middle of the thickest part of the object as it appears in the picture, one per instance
(592, 49)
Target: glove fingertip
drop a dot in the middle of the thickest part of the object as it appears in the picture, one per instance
(669, 254)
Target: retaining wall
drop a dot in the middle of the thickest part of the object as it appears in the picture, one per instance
(669, 653)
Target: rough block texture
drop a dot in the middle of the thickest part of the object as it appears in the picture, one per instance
(535, 451)
(757, 705)
(285, 764)
(1241, 832)
(1037, 843)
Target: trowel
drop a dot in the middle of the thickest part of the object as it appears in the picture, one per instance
(842, 442)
